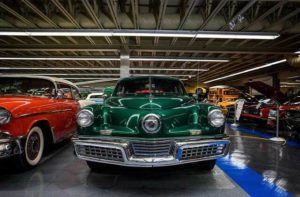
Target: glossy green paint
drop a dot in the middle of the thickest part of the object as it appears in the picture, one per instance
(180, 115)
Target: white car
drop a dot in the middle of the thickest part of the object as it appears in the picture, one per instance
(92, 98)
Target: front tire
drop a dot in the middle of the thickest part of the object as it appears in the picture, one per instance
(33, 150)
(207, 165)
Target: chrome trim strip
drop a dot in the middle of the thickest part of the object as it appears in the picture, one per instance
(148, 162)
(40, 113)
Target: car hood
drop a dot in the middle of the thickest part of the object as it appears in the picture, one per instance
(266, 90)
(151, 103)
(18, 105)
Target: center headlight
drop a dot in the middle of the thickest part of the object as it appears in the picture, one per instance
(5, 116)
(85, 118)
(151, 123)
(216, 118)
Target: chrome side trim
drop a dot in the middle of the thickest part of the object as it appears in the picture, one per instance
(40, 113)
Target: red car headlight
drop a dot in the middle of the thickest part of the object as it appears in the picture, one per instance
(5, 116)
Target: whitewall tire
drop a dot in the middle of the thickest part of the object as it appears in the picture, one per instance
(34, 146)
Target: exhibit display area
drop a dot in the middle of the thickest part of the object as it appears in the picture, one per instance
(150, 98)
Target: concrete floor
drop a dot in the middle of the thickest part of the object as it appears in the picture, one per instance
(62, 174)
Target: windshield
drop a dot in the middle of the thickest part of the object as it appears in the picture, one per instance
(26, 86)
(158, 87)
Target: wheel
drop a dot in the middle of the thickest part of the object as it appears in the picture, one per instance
(33, 150)
(207, 165)
(94, 166)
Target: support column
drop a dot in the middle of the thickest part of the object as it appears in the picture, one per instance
(276, 83)
(124, 64)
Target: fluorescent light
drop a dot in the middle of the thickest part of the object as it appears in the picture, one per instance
(74, 74)
(238, 35)
(294, 77)
(87, 78)
(95, 74)
(140, 33)
(163, 75)
(297, 52)
(175, 59)
(95, 58)
(55, 68)
(64, 58)
(248, 70)
(289, 83)
(86, 68)
(171, 69)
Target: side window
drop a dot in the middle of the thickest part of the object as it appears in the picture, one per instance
(75, 93)
(65, 90)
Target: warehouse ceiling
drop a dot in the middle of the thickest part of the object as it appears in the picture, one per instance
(274, 16)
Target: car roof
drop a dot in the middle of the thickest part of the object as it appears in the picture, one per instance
(53, 79)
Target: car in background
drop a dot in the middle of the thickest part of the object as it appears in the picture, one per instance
(259, 111)
(35, 112)
(224, 96)
(289, 117)
(93, 98)
(150, 121)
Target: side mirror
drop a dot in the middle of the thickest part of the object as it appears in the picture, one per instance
(107, 92)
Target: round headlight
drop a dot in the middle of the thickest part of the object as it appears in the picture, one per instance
(85, 118)
(151, 123)
(216, 118)
(5, 116)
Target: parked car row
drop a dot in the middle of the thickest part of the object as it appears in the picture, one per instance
(264, 111)
(144, 121)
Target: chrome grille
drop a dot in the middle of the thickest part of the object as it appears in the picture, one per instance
(100, 152)
(151, 148)
(202, 151)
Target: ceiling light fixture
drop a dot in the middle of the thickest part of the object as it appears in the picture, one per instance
(100, 68)
(88, 78)
(246, 71)
(140, 33)
(95, 58)
(95, 74)
(297, 52)
(239, 35)
(64, 58)
(177, 59)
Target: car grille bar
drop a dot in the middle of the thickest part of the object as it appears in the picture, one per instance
(198, 152)
(151, 148)
(148, 153)
(100, 152)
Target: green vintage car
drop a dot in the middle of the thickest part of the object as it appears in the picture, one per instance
(150, 121)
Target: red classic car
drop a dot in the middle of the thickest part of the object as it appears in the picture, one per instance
(289, 117)
(259, 111)
(35, 112)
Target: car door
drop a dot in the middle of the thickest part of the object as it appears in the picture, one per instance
(67, 110)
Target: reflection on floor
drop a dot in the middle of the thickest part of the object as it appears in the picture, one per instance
(65, 175)
(277, 164)
(262, 169)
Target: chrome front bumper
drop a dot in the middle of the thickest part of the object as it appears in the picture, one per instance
(149, 153)
(9, 146)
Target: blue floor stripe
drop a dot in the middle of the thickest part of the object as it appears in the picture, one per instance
(249, 180)
(263, 135)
